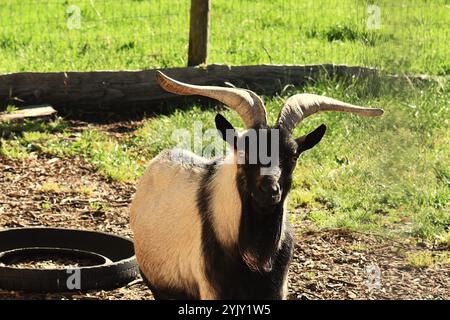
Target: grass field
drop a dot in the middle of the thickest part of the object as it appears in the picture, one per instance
(389, 175)
(138, 34)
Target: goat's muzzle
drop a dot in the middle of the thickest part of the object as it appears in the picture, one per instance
(268, 192)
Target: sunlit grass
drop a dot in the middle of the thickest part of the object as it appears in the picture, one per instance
(388, 175)
(51, 186)
(128, 34)
(113, 160)
(426, 259)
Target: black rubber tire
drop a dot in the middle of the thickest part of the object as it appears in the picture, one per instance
(118, 267)
(9, 257)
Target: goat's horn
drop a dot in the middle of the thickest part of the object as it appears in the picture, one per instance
(300, 106)
(246, 103)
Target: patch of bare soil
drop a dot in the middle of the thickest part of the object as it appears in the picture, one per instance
(49, 191)
(339, 264)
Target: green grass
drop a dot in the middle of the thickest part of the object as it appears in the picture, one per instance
(113, 159)
(51, 187)
(420, 259)
(388, 174)
(426, 259)
(10, 109)
(46, 206)
(131, 34)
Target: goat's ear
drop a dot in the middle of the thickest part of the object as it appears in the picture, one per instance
(226, 129)
(308, 141)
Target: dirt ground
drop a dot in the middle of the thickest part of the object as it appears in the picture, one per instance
(331, 264)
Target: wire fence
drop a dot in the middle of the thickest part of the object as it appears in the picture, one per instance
(397, 35)
(55, 35)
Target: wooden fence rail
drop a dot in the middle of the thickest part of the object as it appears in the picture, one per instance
(122, 89)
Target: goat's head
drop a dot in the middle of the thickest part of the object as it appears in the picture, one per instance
(267, 173)
(267, 156)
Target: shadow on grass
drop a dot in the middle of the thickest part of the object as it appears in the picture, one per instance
(17, 128)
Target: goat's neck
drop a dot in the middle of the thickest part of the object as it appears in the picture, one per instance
(237, 225)
(261, 231)
(261, 236)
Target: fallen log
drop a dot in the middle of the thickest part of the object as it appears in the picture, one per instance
(121, 90)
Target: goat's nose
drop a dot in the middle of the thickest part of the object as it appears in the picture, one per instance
(270, 188)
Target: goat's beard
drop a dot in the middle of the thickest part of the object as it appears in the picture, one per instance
(260, 229)
(263, 208)
(260, 240)
(255, 264)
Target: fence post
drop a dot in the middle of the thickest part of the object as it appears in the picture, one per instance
(199, 32)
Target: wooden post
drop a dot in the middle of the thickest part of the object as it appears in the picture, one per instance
(199, 32)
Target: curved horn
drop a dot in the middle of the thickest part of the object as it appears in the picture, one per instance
(300, 106)
(246, 103)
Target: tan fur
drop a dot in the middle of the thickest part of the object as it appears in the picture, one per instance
(166, 222)
(226, 203)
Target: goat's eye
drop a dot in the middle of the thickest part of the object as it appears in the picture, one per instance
(293, 161)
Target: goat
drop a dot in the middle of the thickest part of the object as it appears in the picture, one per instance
(217, 229)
